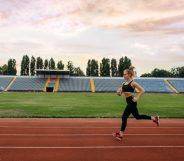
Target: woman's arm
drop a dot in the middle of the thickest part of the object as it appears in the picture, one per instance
(120, 90)
(141, 91)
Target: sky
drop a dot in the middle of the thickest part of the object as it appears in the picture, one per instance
(150, 33)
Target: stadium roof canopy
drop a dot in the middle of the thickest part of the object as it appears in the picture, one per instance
(52, 73)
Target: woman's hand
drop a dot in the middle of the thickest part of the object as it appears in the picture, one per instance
(140, 89)
(135, 99)
(119, 92)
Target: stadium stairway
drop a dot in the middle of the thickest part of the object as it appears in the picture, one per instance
(6, 82)
(92, 85)
(46, 84)
(52, 83)
(178, 84)
(12, 81)
(56, 87)
(171, 86)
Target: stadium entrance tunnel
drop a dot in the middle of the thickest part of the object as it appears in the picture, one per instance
(50, 89)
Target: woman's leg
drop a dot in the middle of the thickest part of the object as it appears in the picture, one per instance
(136, 114)
(125, 116)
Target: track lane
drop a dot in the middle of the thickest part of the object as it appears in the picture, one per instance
(55, 142)
(88, 130)
(85, 122)
(74, 141)
(127, 154)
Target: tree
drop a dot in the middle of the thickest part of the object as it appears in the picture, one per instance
(52, 64)
(177, 72)
(74, 71)
(4, 69)
(70, 67)
(160, 73)
(94, 68)
(124, 63)
(39, 63)
(78, 72)
(25, 65)
(60, 65)
(114, 71)
(146, 75)
(174, 72)
(46, 64)
(1, 71)
(127, 62)
(32, 65)
(105, 67)
(88, 69)
(181, 71)
(121, 67)
(12, 67)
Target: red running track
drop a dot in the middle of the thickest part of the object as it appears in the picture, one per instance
(90, 140)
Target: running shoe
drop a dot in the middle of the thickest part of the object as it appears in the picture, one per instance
(117, 136)
(157, 121)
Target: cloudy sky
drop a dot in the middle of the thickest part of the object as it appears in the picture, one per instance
(149, 32)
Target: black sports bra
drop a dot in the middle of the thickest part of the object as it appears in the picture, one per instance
(128, 87)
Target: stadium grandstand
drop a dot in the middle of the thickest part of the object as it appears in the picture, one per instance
(61, 81)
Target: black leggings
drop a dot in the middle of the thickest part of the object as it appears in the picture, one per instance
(131, 108)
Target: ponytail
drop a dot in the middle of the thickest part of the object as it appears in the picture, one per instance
(131, 71)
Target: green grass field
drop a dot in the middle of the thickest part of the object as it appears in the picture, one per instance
(86, 105)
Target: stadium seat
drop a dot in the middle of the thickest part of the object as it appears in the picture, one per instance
(83, 84)
(155, 85)
(74, 84)
(104, 84)
(28, 84)
(4, 82)
(178, 84)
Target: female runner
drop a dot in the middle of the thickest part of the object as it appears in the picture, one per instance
(128, 89)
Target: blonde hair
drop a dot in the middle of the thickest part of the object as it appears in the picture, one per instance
(131, 71)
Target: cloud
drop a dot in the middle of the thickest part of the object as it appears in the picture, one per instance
(111, 14)
(156, 25)
(144, 30)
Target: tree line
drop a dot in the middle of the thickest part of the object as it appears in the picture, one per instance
(28, 66)
(9, 68)
(176, 72)
(106, 67)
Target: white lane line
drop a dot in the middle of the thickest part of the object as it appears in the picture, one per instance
(68, 127)
(88, 120)
(89, 135)
(88, 147)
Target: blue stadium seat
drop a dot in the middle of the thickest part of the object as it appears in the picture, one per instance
(178, 84)
(4, 82)
(155, 85)
(28, 84)
(107, 84)
(82, 84)
(74, 84)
